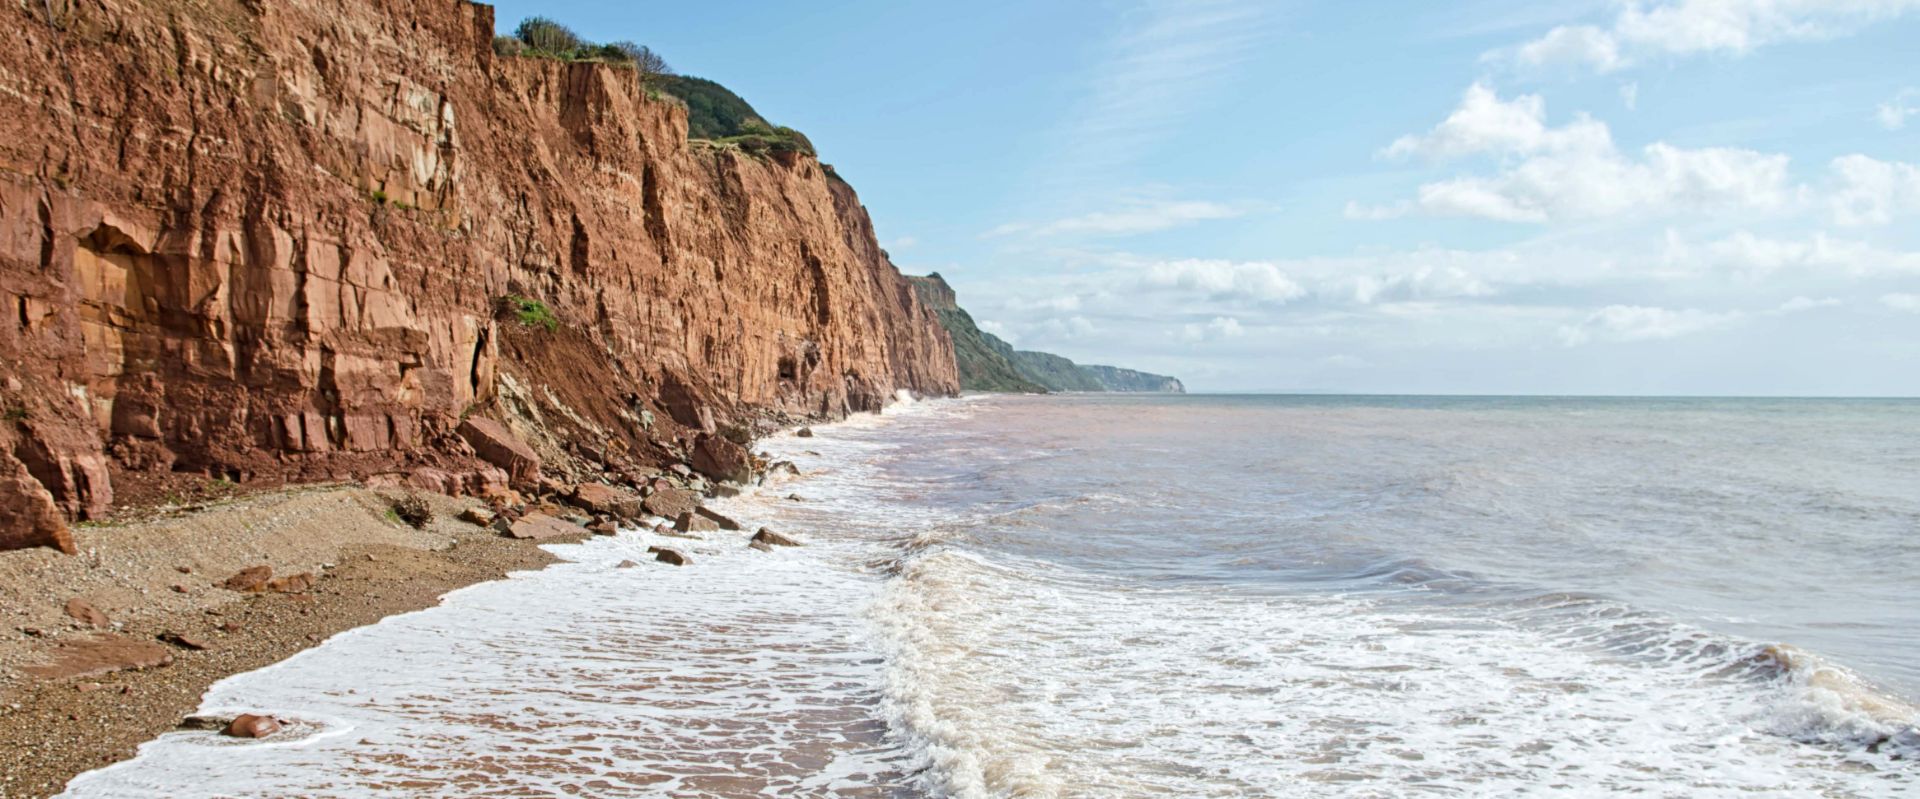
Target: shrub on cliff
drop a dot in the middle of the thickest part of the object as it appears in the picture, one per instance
(760, 139)
(546, 37)
(529, 312)
(643, 59)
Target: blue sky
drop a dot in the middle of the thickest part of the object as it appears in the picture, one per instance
(1493, 196)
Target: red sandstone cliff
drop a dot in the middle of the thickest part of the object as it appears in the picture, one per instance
(264, 240)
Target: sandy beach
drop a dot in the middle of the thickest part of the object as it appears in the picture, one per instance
(159, 583)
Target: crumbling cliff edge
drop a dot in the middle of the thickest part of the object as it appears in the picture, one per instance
(272, 242)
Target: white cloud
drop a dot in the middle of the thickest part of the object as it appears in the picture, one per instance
(1820, 254)
(1062, 303)
(1872, 192)
(1630, 95)
(1221, 327)
(1909, 303)
(1695, 27)
(1242, 281)
(1628, 323)
(1575, 171)
(1421, 281)
(1072, 327)
(1484, 123)
(1798, 304)
(900, 244)
(1135, 219)
(1572, 44)
(1893, 113)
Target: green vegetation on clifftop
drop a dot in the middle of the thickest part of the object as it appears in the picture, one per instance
(986, 362)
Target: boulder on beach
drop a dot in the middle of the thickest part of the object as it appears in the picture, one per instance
(804, 432)
(670, 503)
(721, 459)
(601, 498)
(500, 447)
(84, 612)
(603, 527)
(479, 517)
(183, 641)
(103, 653)
(249, 579)
(248, 725)
(670, 556)
(293, 583)
(725, 522)
(771, 538)
(691, 522)
(536, 526)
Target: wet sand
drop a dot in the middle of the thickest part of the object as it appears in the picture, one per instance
(163, 575)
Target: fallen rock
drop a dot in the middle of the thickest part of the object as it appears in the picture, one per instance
(102, 653)
(293, 583)
(681, 469)
(718, 518)
(721, 459)
(804, 432)
(536, 526)
(178, 588)
(627, 564)
(29, 515)
(795, 498)
(671, 502)
(601, 498)
(183, 641)
(248, 725)
(84, 612)
(500, 447)
(670, 556)
(695, 523)
(249, 579)
(759, 546)
(771, 538)
(479, 517)
(784, 466)
(603, 528)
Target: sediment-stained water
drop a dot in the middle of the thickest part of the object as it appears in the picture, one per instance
(1176, 596)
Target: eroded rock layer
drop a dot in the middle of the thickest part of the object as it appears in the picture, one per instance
(271, 241)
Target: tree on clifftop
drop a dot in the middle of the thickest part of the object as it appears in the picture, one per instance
(644, 60)
(548, 36)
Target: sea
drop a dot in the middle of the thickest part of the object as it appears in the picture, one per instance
(1173, 596)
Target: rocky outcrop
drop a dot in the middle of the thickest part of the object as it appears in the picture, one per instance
(306, 240)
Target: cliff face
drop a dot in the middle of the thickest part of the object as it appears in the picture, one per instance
(270, 241)
(986, 363)
(989, 364)
(1114, 378)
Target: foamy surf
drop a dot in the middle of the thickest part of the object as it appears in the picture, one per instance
(1066, 598)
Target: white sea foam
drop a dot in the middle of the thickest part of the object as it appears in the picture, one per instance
(932, 641)
(742, 674)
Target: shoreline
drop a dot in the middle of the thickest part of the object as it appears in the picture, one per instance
(159, 584)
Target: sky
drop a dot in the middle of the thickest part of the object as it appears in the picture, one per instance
(1667, 197)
